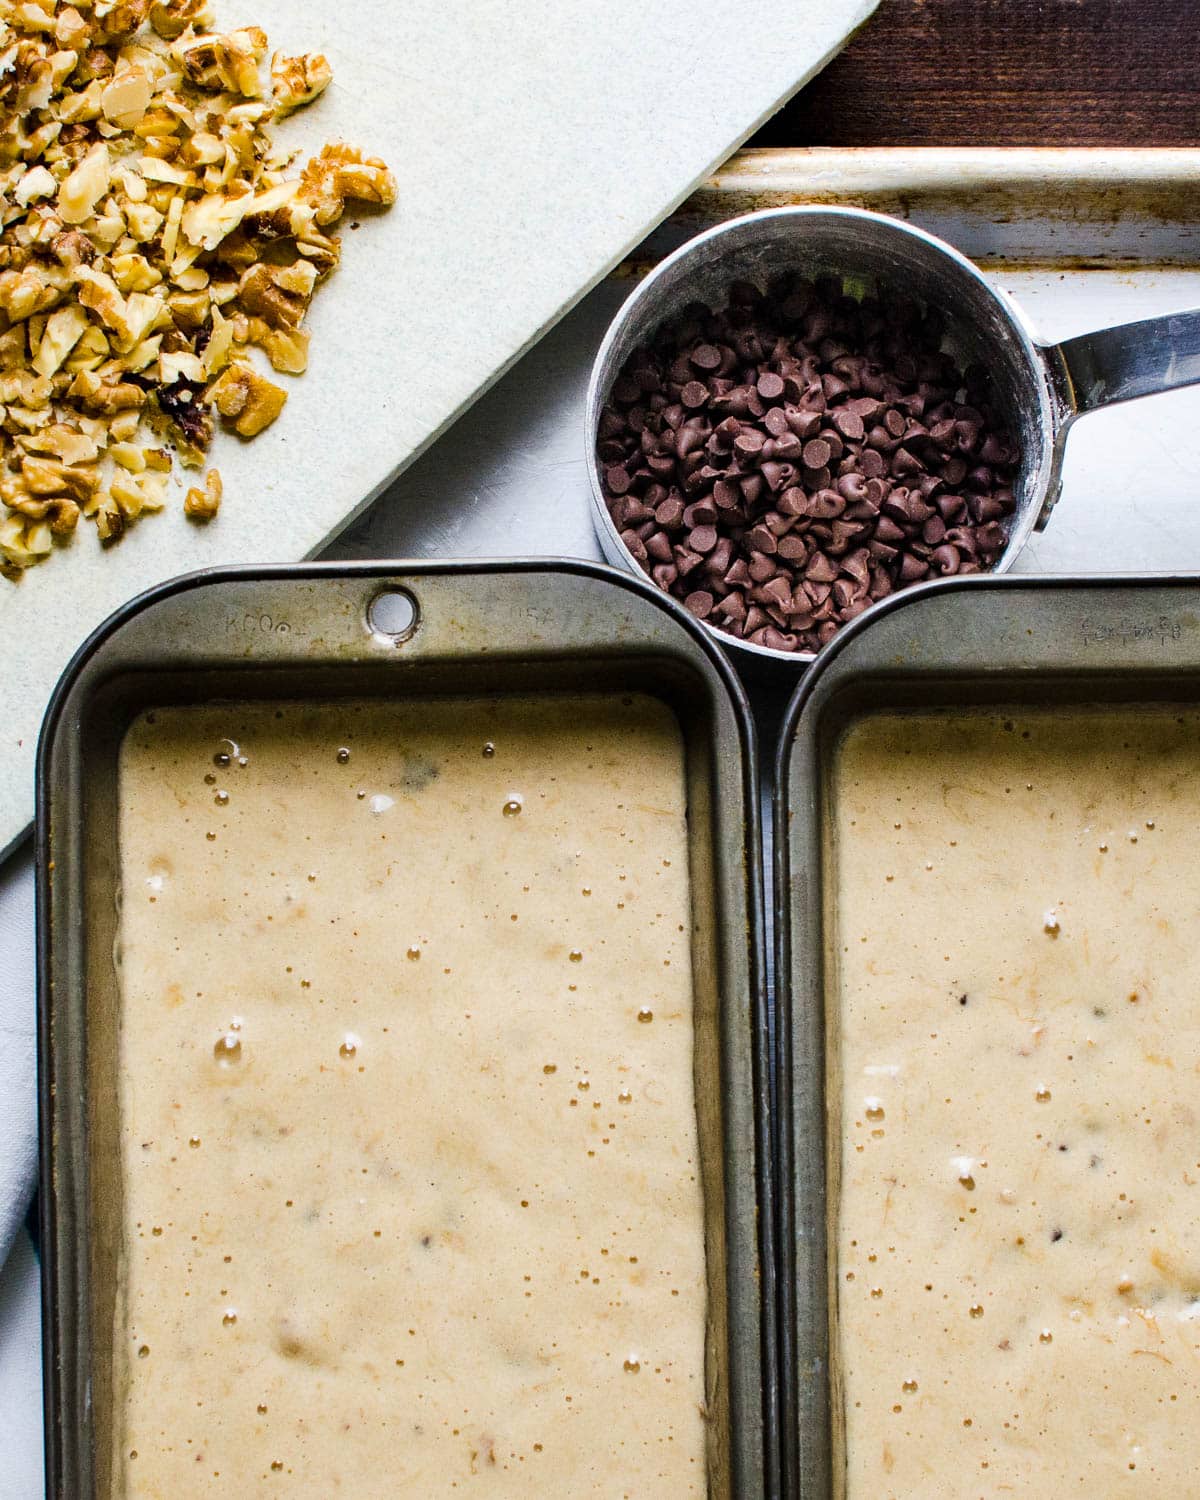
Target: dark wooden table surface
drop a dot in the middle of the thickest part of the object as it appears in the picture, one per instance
(1007, 73)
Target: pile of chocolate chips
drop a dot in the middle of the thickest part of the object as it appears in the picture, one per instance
(781, 464)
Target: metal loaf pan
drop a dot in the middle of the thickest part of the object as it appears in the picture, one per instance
(302, 632)
(963, 642)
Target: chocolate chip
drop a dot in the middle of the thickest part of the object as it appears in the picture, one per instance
(702, 512)
(700, 604)
(777, 591)
(706, 357)
(777, 640)
(761, 567)
(770, 386)
(669, 512)
(732, 607)
(778, 475)
(787, 447)
(762, 539)
(637, 548)
(849, 424)
(825, 505)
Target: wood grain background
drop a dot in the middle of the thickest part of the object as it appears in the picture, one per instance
(1007, 73)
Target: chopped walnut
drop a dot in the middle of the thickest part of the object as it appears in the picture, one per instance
(228, 62)
(203, 504)
(149, 232)
(296, 81)
(171, 18)
(247, 399)
(261, 292)
(340, 172)
(286, 348)
(109, 519)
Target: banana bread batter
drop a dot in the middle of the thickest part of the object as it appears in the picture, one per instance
(412, 1200)
(1017, 999)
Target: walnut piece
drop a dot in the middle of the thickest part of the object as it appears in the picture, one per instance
(296, 81)
(151, 236)
(247, 399)
(203, 504)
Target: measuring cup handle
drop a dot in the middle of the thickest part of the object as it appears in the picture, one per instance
(1134, 359)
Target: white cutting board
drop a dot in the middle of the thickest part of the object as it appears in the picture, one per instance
(535, 142)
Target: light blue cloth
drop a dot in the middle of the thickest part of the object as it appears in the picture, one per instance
(20, 1374)
(20, 1315)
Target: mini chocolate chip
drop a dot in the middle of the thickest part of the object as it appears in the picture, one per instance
(700, 603)
(637, 548)
(702, 512)
(788, 447)
(849, 424)
(778, 640)
(732, 607)
(670, 512)
(872, 464)
(825, 505)
(933, 530)
(762, 539)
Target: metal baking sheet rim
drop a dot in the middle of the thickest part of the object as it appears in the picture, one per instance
(1081, 207)
(1144, 640)
(750, 1385)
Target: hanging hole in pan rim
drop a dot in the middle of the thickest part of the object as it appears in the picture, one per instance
(393, 614)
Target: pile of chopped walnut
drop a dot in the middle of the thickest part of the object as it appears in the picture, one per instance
(150, 231)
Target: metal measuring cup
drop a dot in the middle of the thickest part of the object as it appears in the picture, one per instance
(1042, 388)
